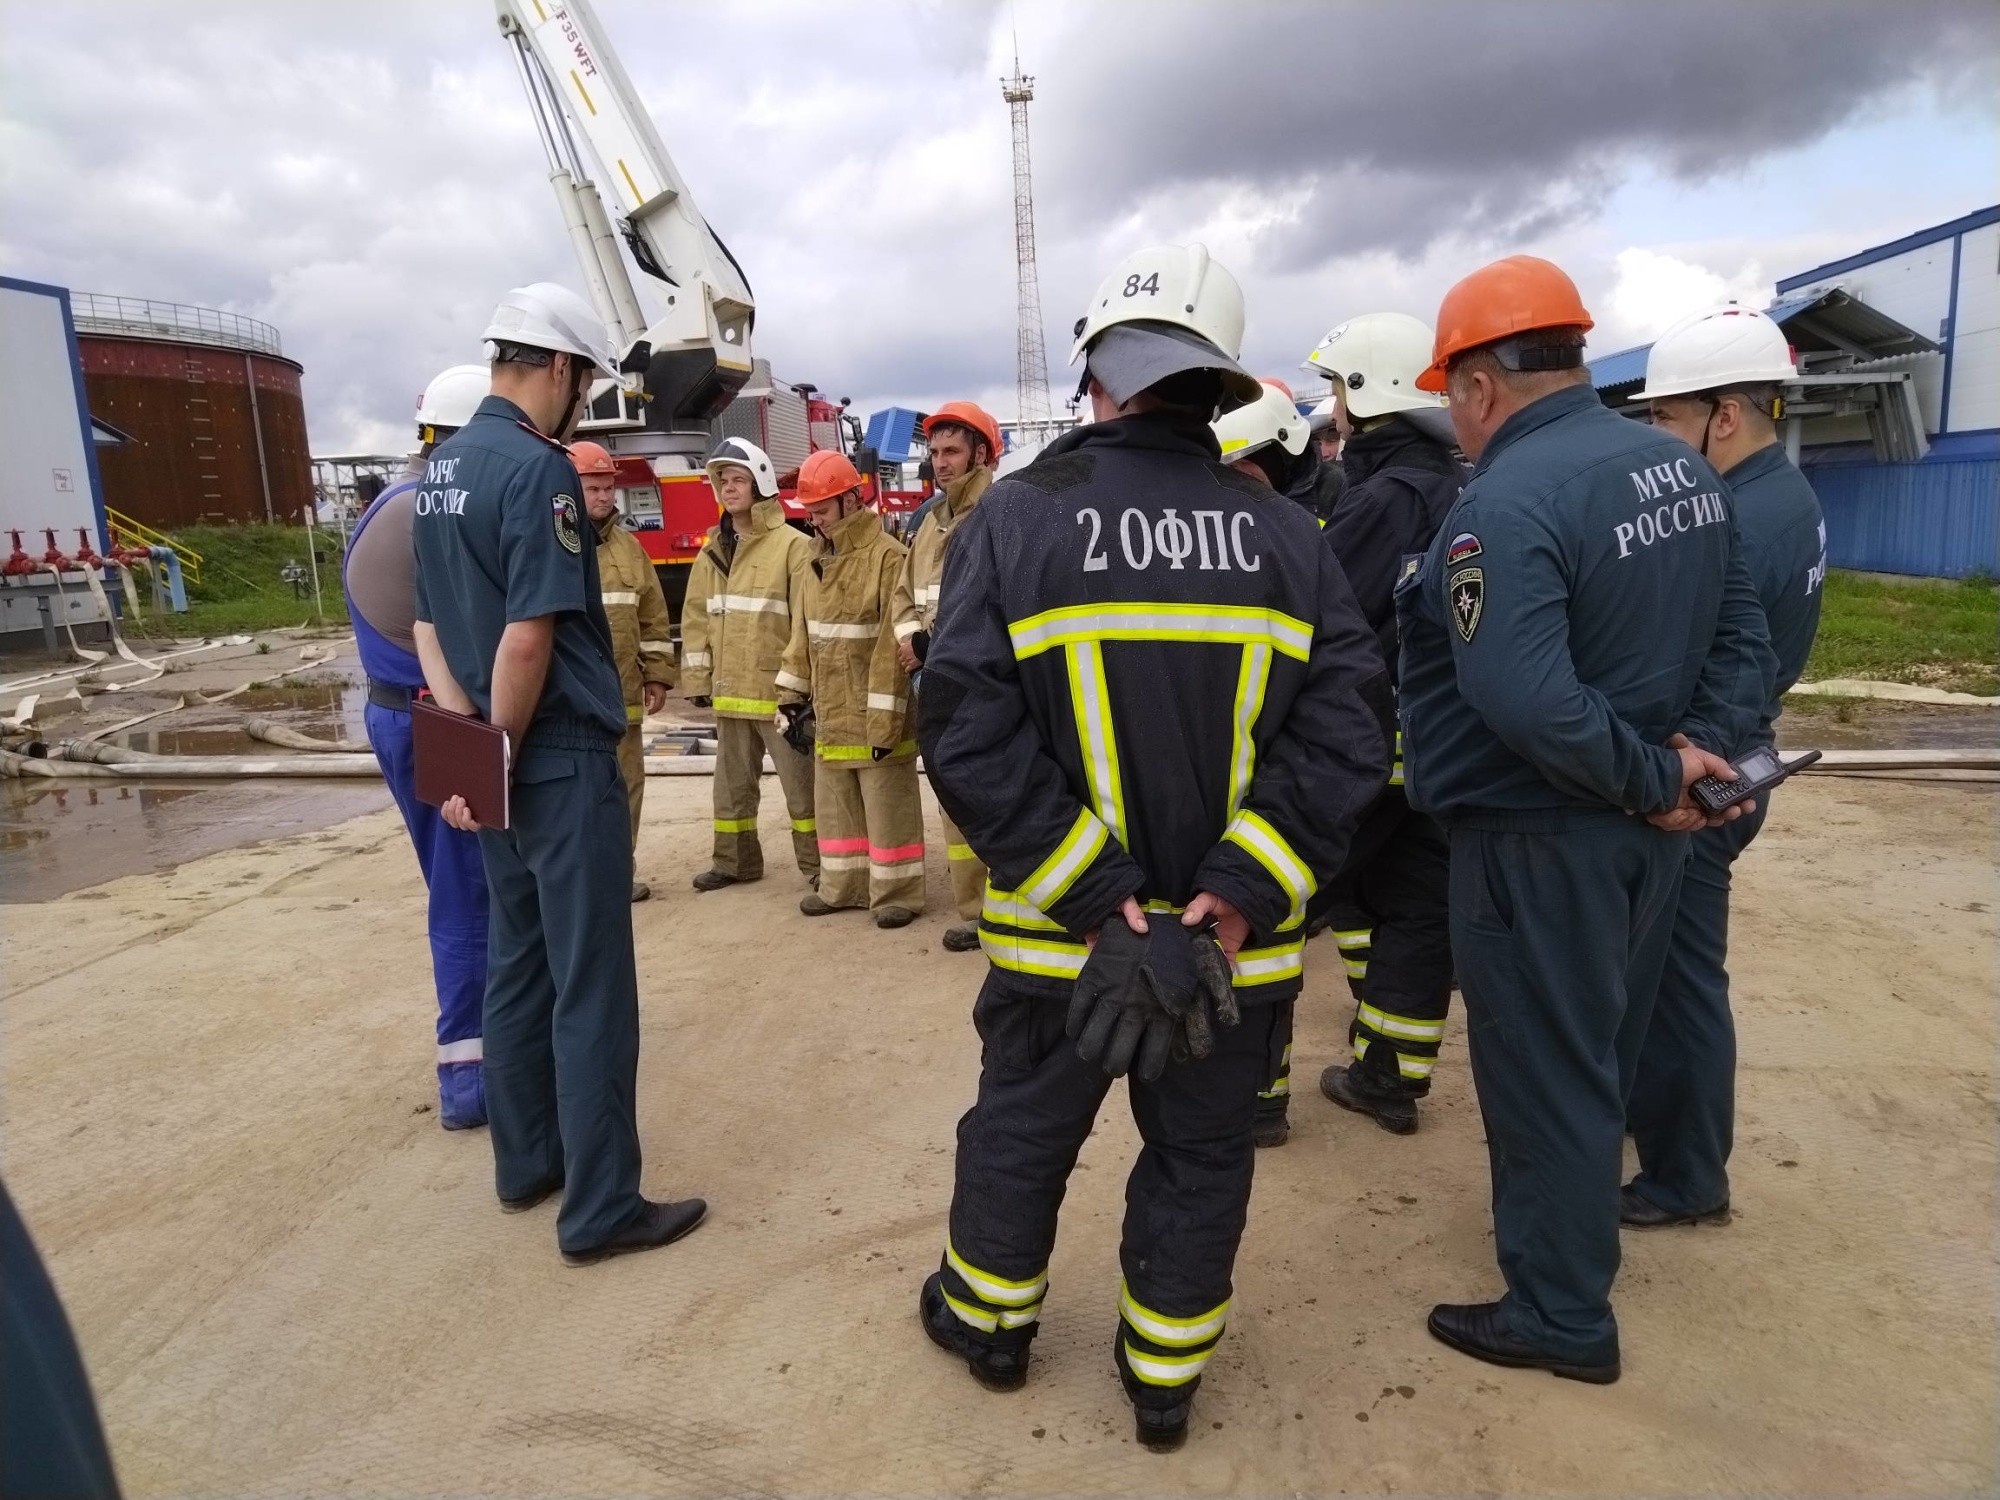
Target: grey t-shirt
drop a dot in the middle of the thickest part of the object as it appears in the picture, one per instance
(382, 564)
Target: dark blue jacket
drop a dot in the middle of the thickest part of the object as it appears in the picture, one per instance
(1784, 546)
(1585, 599)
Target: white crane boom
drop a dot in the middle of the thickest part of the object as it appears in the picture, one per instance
(696, 355)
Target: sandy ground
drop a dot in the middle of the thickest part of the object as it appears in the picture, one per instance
(286, 1278)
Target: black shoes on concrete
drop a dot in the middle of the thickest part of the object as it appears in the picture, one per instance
(641, 892)
(1636, 1212)
(1352, 1087)
(998, 1369)
(715, 880)
(815, 905)
(963, 938)
(658, 1224)
(1480, 1329)
(532, 1199)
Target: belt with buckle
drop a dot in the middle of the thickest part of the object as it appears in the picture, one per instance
(389, 695)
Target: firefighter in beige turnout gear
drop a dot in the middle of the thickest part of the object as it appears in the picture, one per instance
(841, 666)
(642, 642)
(964, 444)
(745, 591)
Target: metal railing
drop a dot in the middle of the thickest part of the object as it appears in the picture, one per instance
(126, 532)
(142, 317)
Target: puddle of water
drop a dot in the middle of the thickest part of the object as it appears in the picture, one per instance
(1872, 724)
(328, 713)
(58, 837)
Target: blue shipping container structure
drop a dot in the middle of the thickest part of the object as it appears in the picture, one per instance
(1897, 416)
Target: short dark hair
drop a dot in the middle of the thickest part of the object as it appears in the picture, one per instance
(974, 439)
(1757, 400)
(522, 354)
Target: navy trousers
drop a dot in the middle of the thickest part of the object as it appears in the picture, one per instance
(1683, 1105)
(1559, 928)
(562, 994)
(456, 875)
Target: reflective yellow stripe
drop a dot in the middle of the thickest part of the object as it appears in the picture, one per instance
(1091, 706)
(1281, 961)
(996, 1289)
(735, 825)
(1268, 847)
(861, 752)
(1250, 683)
(1393, 1026)
(634, 712)
(746, 706)
(1354, 937)
(1196, 624)
(1043, 956)
(959, 851)
(1007, 909)
(1408, 1065)
(1357, 968)
(987, 1322)
(1165, 1369)
(805, 825)
(1057, 873)
(1175, 1333)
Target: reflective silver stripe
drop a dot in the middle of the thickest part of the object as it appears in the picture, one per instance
(927, 595)
(788, 682)
(907, 629)
(1193, 623)
(619, 596)
(472, 1049)
(833, 630)
(1082, 844)
(749, 604)
(885, 702)
(996, 1289)
(1175, 1333)
(1398, 1026)
(1094, 729)
(656, 648)
(696, 659)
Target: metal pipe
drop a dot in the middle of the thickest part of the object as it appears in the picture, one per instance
(609, 257)
(576, 221)
(257, 427)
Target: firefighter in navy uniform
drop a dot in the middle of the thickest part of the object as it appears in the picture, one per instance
(511, 626)
(1714, 381)
(1155, 712)
(1580, 639)
(1388, 909)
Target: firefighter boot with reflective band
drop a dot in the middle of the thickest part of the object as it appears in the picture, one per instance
(1159, 1413)
(1354, 1087)
(1000, 1364)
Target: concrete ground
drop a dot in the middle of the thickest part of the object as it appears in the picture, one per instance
(219, 1122)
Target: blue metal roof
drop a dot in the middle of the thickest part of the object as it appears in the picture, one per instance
(1978, 219)
(1626, 367)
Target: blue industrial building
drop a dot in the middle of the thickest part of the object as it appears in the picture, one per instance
(1896, 416)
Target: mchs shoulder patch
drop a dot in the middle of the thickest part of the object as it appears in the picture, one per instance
(1465, 592)
(1463, 547)
(567, 531)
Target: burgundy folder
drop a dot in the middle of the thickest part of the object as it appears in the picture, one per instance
(464, 757)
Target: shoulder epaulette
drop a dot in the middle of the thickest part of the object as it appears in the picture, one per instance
(530, 427)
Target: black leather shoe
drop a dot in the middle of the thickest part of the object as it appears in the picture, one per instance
(658, 1224)
(894, 916)
(998, 1369)
(1638, 1212)
(963, 938)
(533, 1199)
(1351, 1088)
(1480, 1329)
(1159, 1413)
(715, 880)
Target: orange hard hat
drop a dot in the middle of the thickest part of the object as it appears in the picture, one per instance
(824, 475)
(591, 458)
(965, 414)
(1498, 301)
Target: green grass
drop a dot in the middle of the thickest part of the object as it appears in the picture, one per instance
(241, 588)
(1936, 633)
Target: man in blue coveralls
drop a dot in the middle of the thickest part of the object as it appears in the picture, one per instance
(1579, 639)
(510, 626)
(1714, 381)
(380, 577)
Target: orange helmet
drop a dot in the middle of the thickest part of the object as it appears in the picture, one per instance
(824, 475)
(965, 414)
(1498, 301)
(591, 458)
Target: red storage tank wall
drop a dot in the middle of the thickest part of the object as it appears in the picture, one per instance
(194, 456)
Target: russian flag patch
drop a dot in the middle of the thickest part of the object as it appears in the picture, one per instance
(1464, 545)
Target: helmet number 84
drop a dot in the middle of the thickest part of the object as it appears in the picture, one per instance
(1150, 286)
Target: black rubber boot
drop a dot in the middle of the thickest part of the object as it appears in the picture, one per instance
(715, 880)
(1354, 1087)
(962, 938)
(997, 1366)
(1272, 1127)
(1159, 1413)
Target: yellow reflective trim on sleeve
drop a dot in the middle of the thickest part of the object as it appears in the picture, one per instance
(1165, 1369)
(861, 752)
(1250, 684)
(746, 706)
(1357, 968)
(1007, 909)
(1271, 965)
(1046, 957)
(735, 825)
(634, 712)
(1175, 1333)
(1268, 847)
(1056, 874)
(1394, 1026)
(805, 825)
(1354, 937)
(1195, 624)
(1090, 703)
(959, 851)
(996, 1289)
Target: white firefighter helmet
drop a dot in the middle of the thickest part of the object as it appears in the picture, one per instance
(746, 454)
(1376, 358)
(1271, 418)
(547, 316)
(1713, 350)
(450, 400)
(1194, 309)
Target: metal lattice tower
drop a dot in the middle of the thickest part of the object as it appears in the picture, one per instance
(1031, 347)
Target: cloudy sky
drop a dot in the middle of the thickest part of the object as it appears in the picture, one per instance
(366, 177)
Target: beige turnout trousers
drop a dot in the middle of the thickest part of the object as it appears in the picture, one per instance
(739, 763)
(632, 763)
(968, 872)
(871, 833)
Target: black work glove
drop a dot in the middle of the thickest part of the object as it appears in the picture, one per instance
(1214, 1001)
(1131, 999)
(801, 726)
(703, 701)
(920, 643)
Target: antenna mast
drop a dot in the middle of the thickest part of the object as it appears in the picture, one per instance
(1031, 347)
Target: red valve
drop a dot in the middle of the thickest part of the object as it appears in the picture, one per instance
(86, 555)
(55, 557)
(19, 562)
